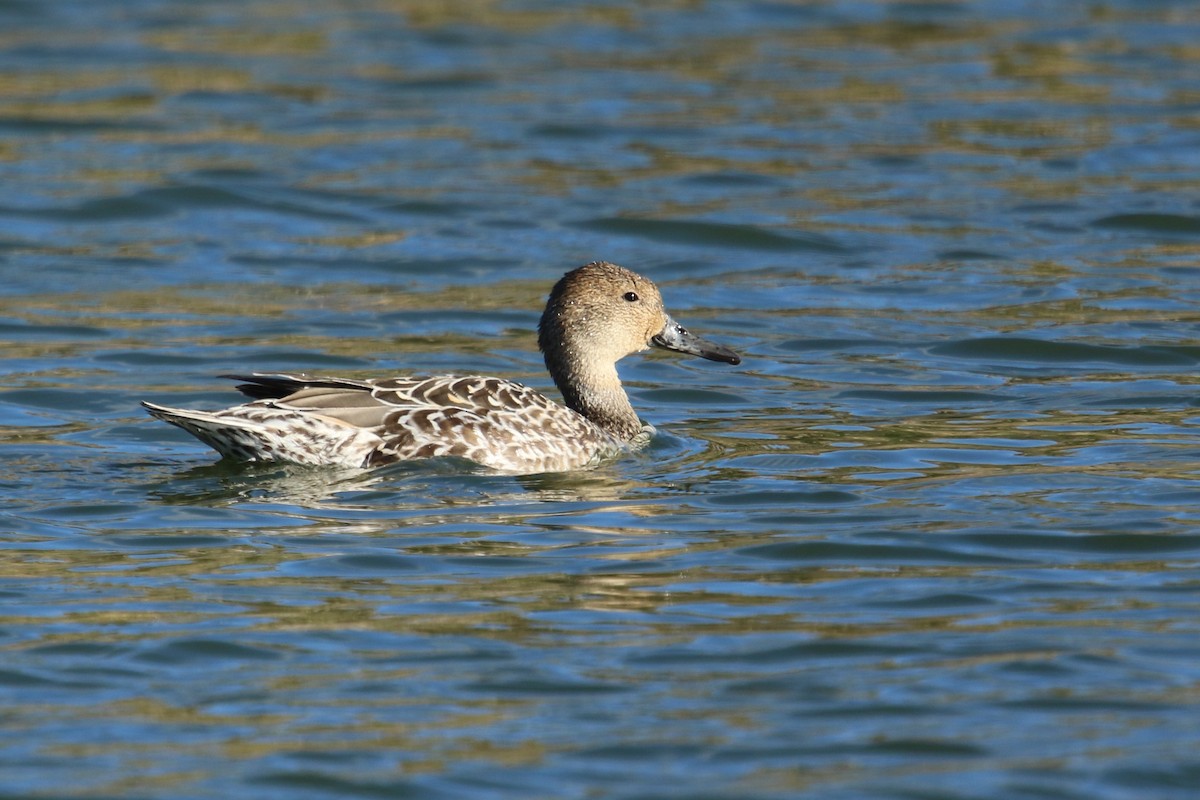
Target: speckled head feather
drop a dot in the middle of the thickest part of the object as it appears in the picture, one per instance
(596, 315)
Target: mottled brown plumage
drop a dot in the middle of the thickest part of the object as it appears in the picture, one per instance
(596, 315)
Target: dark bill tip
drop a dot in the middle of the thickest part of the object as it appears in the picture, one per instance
(676, 337)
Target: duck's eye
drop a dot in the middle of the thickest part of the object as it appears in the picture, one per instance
(631, 297)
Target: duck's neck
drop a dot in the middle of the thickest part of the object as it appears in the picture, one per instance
(595, 391)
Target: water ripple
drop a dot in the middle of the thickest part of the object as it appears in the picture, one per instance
(935, 536)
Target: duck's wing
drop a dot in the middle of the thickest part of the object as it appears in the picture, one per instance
(498, 423)
(346, 400)
(371, 404)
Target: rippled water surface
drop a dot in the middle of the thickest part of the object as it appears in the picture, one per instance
(936, 537)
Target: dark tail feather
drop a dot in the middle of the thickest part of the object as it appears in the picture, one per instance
(263, 386)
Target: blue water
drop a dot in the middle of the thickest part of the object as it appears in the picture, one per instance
(936, 537)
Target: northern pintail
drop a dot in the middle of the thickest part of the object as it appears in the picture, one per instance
(595, 316)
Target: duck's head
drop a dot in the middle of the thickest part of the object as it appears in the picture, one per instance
(600, 313)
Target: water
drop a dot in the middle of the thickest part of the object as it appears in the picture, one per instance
(936, 537)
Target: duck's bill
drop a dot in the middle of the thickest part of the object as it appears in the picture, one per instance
(676, 337)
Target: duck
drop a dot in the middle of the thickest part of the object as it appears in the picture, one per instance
(595, 315)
